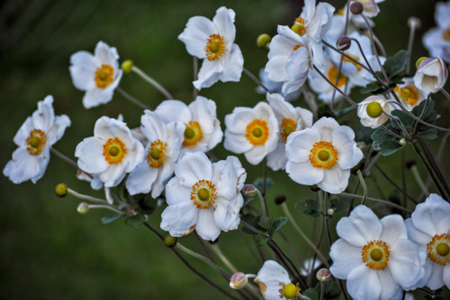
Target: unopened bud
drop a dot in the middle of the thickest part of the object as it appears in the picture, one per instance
(238, 281)
(323, 275)
(343, 43)
(61, 190)
(263, 40)
(414, 22)
(280, 199)
(314, 188)
(170, 241)
(356, 8)
(83, 208)
(249, 190)
(403, 142)
(420, 60)
(126, 66)
(330, 211)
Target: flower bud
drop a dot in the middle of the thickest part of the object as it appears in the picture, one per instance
(170, 241)
(238, 281)
(330, 211)
(414, 22)
(280, 199)
(343, 43)
(263, 40)
(431, 75)
(61, 190)
(356, 8)
(83, 208)
(323, 275)
(403, 142)
(249, 190)
(126, 66)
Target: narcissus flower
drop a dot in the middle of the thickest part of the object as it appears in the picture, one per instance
(204, 196)
(202, 128)
(370, 111)
(252, 131)
(34, 140)
(110, 153)
(274, 283)
(163, 149)
(97, 74)
(213, 41)
(409, 95)
(431, 75)
(429, 226)
(322, 155)
(437, 40)
(375, 256)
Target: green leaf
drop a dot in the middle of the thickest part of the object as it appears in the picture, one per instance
(395, 65)
(370, 88)
(308, 207)
(311, 294)
(380, 136)
(251, 220)
(136, 221)
(340, 204)
(262, 241)
(259, 183)
(280, 222)
(406, 120)
(364, 134)
(390, 147)
(262, 222)
(429, 134)
(110, 219)
(430, 114)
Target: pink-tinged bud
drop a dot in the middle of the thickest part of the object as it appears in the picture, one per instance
(343, 43)
(431, 75)
(323, 275)
(238, 281)
(249, 190)
(356, 8)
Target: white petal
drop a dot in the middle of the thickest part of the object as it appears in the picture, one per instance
(271, 270)
(193, 167)
(224, 22)
(345, 258)
(166, 108)
(348, 153)
(165, 173)
(44, 116)
(204, 112)
(107, 55)
(237, 121)
(196, 34)
(363, 283)
(22, 167)
(57, 130)
(113, 175)
(405, 264)
(325, 126)
(255, 155)
(277, 159)
(415, 234)
(226, 213)
(208, 74)
(90, 156)
(335, 180)
(176, 193)
(94, 97)
(281, 108)
(153, 127)
(389, 286)
(179, 219)
(141, 179)
(446, 275)
(304, 173)
(432, 216)
(231, 176)
(393, 229)
(82, 70)
(232, 69)
(276, 68)
(236, 143)
(206, 227)
(299, 145)
(436, 280)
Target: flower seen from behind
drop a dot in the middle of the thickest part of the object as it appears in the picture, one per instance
(409, 95)
(431, 75)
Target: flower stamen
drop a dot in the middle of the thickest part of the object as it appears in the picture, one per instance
(192, 134)
(323, 155)
(215, 47)
(346, 59)
(287, 127)
(333, 75)
(375, 255)
(114, 151)
(203, 194)
(299, 26)
(257, 132)
(438, 249)
(104, 76)
(408, 94)
(36, 142)
(156, 153)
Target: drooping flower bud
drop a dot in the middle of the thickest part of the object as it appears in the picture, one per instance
(431, 74)
(343, 43)
(61, 190)
(126, 66)
(356, 8)
(170, 241)
(263, 40)
(238, 281)
(83, 208)
(323, 275)
(249, 190)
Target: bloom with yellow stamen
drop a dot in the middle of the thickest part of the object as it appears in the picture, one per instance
(204, 196)
(370, 111)
(322, 155)
(409, 95)
(375, 256)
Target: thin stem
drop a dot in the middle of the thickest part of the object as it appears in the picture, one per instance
(367, 62)
(131, 98)
(379, 201)
(364, 186)
(303, 235)
(380, 45)
(322, 201)
(346, 55)
(374, 49)
(419, 180)
(215, 247)
(445, 93)
(422, 113)
(254, 230)
(322, 290)
(394, 184)
(86, 197)
(410, 46)
(256, 80)
(107, 207)
(265, 210)
(63, 157)
(152, 82)
(338, 89)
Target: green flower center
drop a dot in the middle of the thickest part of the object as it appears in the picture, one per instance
(323, 155)
(114, 151)
(257, 132)
(443, 249)
(34, 141)
(155, 153)
(374, 109)
(203, 194)
(376, 254)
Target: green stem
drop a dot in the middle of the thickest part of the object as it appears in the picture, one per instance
(363, 184)
(152, 82)
(379, 201)
(419, 180)
(86, 197)
(216, 249)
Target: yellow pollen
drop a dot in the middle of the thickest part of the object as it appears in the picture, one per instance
(323, 155)
(114, 151)
(446, 34)
(156, 153)
(287, 127)
(257, 132)
(374, 109)
(214, 47)
(36, 142)
(203, 194)
(346, 59)
(438, 249)
(333, 75)
(299, 26)
(192, 134)
(104, 76)
(408, 94)
(290, 291)
(375, 255)
(340, 12)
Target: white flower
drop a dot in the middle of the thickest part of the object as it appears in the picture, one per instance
(252, 131)
(202, 128)
(274, 87)
(97, 74)
(290, 119)
(213, 41)
(34, 140)
(437, 40)
(431, 75)
(322, 155)
(370, 111)
(110, 153)
(308, 266)
(204, 196)
(163, 149)
(314, 21)
(274, 283)
(409, 94)
(375, 256)
(429, 226)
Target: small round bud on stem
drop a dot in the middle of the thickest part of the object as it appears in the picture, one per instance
(314, 188)
(61, 190)
(280, 199)
(126, 66)
(356, 8)
(249, 190)
(83, 208)
(403, 142)
(170, 241)
(263, 40)
(414, 22)
(238, 281)
(323, 275)
(343, 43)
(410, 163)
(330, 211)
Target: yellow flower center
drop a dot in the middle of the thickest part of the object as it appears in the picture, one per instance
(408, 94)
(333, 75)
(289, 291)
(299, 26)
(156, 153)
(214, 47)
(374, 109)
(446, 34)
(203, 194)
(287, 127)
(114, 151)
(36, 142)
(346, 59)
(323, 155)
(257, 132)
(192, 134)
(375, 255)
(104, 76)
(438, 249)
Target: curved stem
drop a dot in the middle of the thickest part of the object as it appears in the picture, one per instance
(86, 197)
(63, 157)
(367, 62)
(364, 186)
(112, 208)
(215, 247)
(131, 98)
(195, 63)
(346, 55)
(152, 82)
(256, 80)
(379, 201)
(338, 89)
